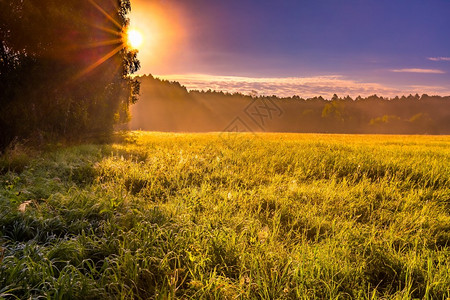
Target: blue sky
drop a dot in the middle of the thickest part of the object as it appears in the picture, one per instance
(399, 44)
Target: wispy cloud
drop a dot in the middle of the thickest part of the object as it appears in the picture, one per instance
(424, 71)
(439, 58)
(305, 87)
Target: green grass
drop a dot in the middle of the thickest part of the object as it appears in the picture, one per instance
(209, 216)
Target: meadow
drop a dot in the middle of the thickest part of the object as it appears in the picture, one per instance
(228, 216)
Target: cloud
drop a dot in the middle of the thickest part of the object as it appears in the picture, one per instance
(439, 58)
(305, 87)
(424, 71)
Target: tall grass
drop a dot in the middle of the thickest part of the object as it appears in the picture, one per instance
(205, 216)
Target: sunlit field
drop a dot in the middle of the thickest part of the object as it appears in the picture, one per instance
(228, 216)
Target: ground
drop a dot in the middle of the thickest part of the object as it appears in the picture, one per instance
(246, 216)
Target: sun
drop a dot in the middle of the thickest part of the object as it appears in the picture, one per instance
(134, 39)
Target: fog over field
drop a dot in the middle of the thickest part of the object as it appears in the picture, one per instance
(169, 106)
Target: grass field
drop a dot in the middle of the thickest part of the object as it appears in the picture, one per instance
(218, 216)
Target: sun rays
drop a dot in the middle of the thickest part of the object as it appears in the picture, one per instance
(124, 39)
(156, 31)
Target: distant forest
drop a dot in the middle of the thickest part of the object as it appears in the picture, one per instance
(169, 106)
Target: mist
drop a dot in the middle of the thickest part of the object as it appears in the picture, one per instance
(169, 106)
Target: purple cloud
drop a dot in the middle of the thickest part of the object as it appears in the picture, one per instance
(306, 87)
(439, 58)
(424, 71)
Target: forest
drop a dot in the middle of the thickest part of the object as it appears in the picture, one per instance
(169, 106)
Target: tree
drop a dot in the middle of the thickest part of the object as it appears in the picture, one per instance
(64, 68)
(335, 98)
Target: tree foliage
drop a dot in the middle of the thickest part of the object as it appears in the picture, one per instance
(64, 70)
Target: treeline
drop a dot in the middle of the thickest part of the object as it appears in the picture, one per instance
(64, 69)
(169, 106)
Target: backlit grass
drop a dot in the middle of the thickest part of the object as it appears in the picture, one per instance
(205, 216)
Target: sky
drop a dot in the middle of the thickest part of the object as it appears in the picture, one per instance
(298, 47)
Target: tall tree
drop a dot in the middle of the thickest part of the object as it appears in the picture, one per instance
(64, 68)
